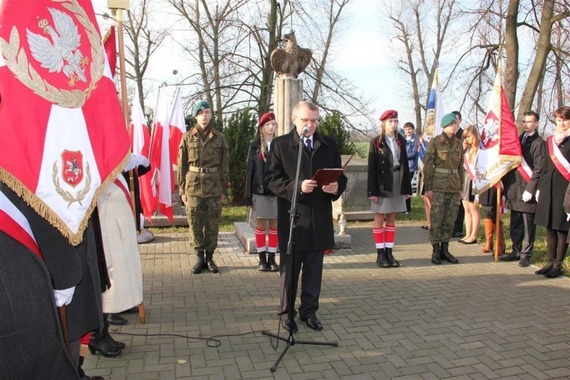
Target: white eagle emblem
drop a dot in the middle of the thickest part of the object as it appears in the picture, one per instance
(62, 52)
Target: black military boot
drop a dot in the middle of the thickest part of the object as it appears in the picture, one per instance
(197, 268)
(446, 255)
(212, 267)
(391, 260)
(273, 267)
(263, 266)
(382, 259)
(436, 255)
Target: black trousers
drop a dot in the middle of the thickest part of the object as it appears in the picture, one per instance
(312, 264)
(458, 225)
(522, 231)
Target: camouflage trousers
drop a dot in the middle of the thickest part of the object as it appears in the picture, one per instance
(204, 214)
(444, 208)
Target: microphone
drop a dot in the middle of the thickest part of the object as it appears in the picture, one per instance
(306, 130)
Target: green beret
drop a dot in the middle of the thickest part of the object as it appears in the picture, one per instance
(202, 105)
(447, 119)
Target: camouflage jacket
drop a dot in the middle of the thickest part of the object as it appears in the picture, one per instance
(203, 164)
(443, 164)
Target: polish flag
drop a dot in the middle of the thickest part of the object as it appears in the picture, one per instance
(63, 131)
(140, 144)
(162, 175)
(177, 128)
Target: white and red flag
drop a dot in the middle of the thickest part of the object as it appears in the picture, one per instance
(177, 128)
(500, 149)
(161, 167)
(63, 132)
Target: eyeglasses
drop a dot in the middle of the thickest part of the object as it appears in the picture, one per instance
(312, 121)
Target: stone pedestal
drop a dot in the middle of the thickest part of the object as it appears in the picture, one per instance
(288, 92)
(353, 204)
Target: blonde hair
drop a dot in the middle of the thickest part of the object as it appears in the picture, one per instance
(473, 147)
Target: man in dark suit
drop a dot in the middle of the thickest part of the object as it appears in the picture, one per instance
(458, 224)
(314, 233)
(520, 189)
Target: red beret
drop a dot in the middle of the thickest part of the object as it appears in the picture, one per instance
(266, 117)
(390, 114)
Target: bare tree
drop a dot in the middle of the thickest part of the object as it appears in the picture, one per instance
(422, 29)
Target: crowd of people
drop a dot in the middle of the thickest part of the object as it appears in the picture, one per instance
(534, 192)
(280, 175)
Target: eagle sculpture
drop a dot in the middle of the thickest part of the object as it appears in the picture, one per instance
(291, 60)
(62, 52)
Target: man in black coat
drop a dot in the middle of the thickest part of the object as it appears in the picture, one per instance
(314, 233)
(520, 189)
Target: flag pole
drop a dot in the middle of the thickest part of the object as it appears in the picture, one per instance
(119, 6)
(498, 222)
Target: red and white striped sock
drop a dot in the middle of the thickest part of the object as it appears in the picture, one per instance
(260, 240)
(273, 240)
(390, 235)
(378, 234)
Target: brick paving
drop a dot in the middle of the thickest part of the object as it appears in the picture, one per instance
(475, 320)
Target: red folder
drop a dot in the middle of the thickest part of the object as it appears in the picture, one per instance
(327, 176)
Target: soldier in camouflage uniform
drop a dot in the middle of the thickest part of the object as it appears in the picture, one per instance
(443, 167)
(203, 169)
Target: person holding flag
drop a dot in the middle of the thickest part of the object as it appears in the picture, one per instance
(203, 170)
(443, 168)
(520, 189)
(551, 190)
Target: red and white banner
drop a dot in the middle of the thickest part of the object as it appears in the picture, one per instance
(63, 132)
(15, 225)
(558, 158)
(524, 170)
(161, 167)
(500, 148)
(177, 128)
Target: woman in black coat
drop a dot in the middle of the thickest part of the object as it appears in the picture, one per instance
(551, 190)
(262, 202)
(389, 185)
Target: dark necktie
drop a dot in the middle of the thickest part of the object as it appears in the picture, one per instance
(524, 139)
(309, 145)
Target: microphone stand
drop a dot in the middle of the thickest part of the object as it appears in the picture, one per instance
(293, 216)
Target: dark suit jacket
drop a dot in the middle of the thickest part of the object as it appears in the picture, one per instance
(534, 153)
(314, 226)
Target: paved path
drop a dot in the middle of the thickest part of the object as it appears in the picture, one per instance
(475, 320)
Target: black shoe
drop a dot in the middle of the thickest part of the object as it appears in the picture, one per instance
(382, 259)
(113, 342)
(555, 271)
(510, 257)
(273, 267)
(290, 325)
(524, 261)
(312, 322)
(200, 263)
(545, 269)
(436, 254)
(446, 255)
(103, 347)
(116, 319)
(457, 234)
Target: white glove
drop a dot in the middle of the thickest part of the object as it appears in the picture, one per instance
(526, 196)
(136, 160)
(64, 296)
(536, 195)
(568, 217)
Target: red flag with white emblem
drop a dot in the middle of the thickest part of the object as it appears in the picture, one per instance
(500, 149)
(63, 133)
(111, 49)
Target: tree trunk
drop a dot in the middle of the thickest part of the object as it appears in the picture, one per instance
(543, 48)
(512, 52)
